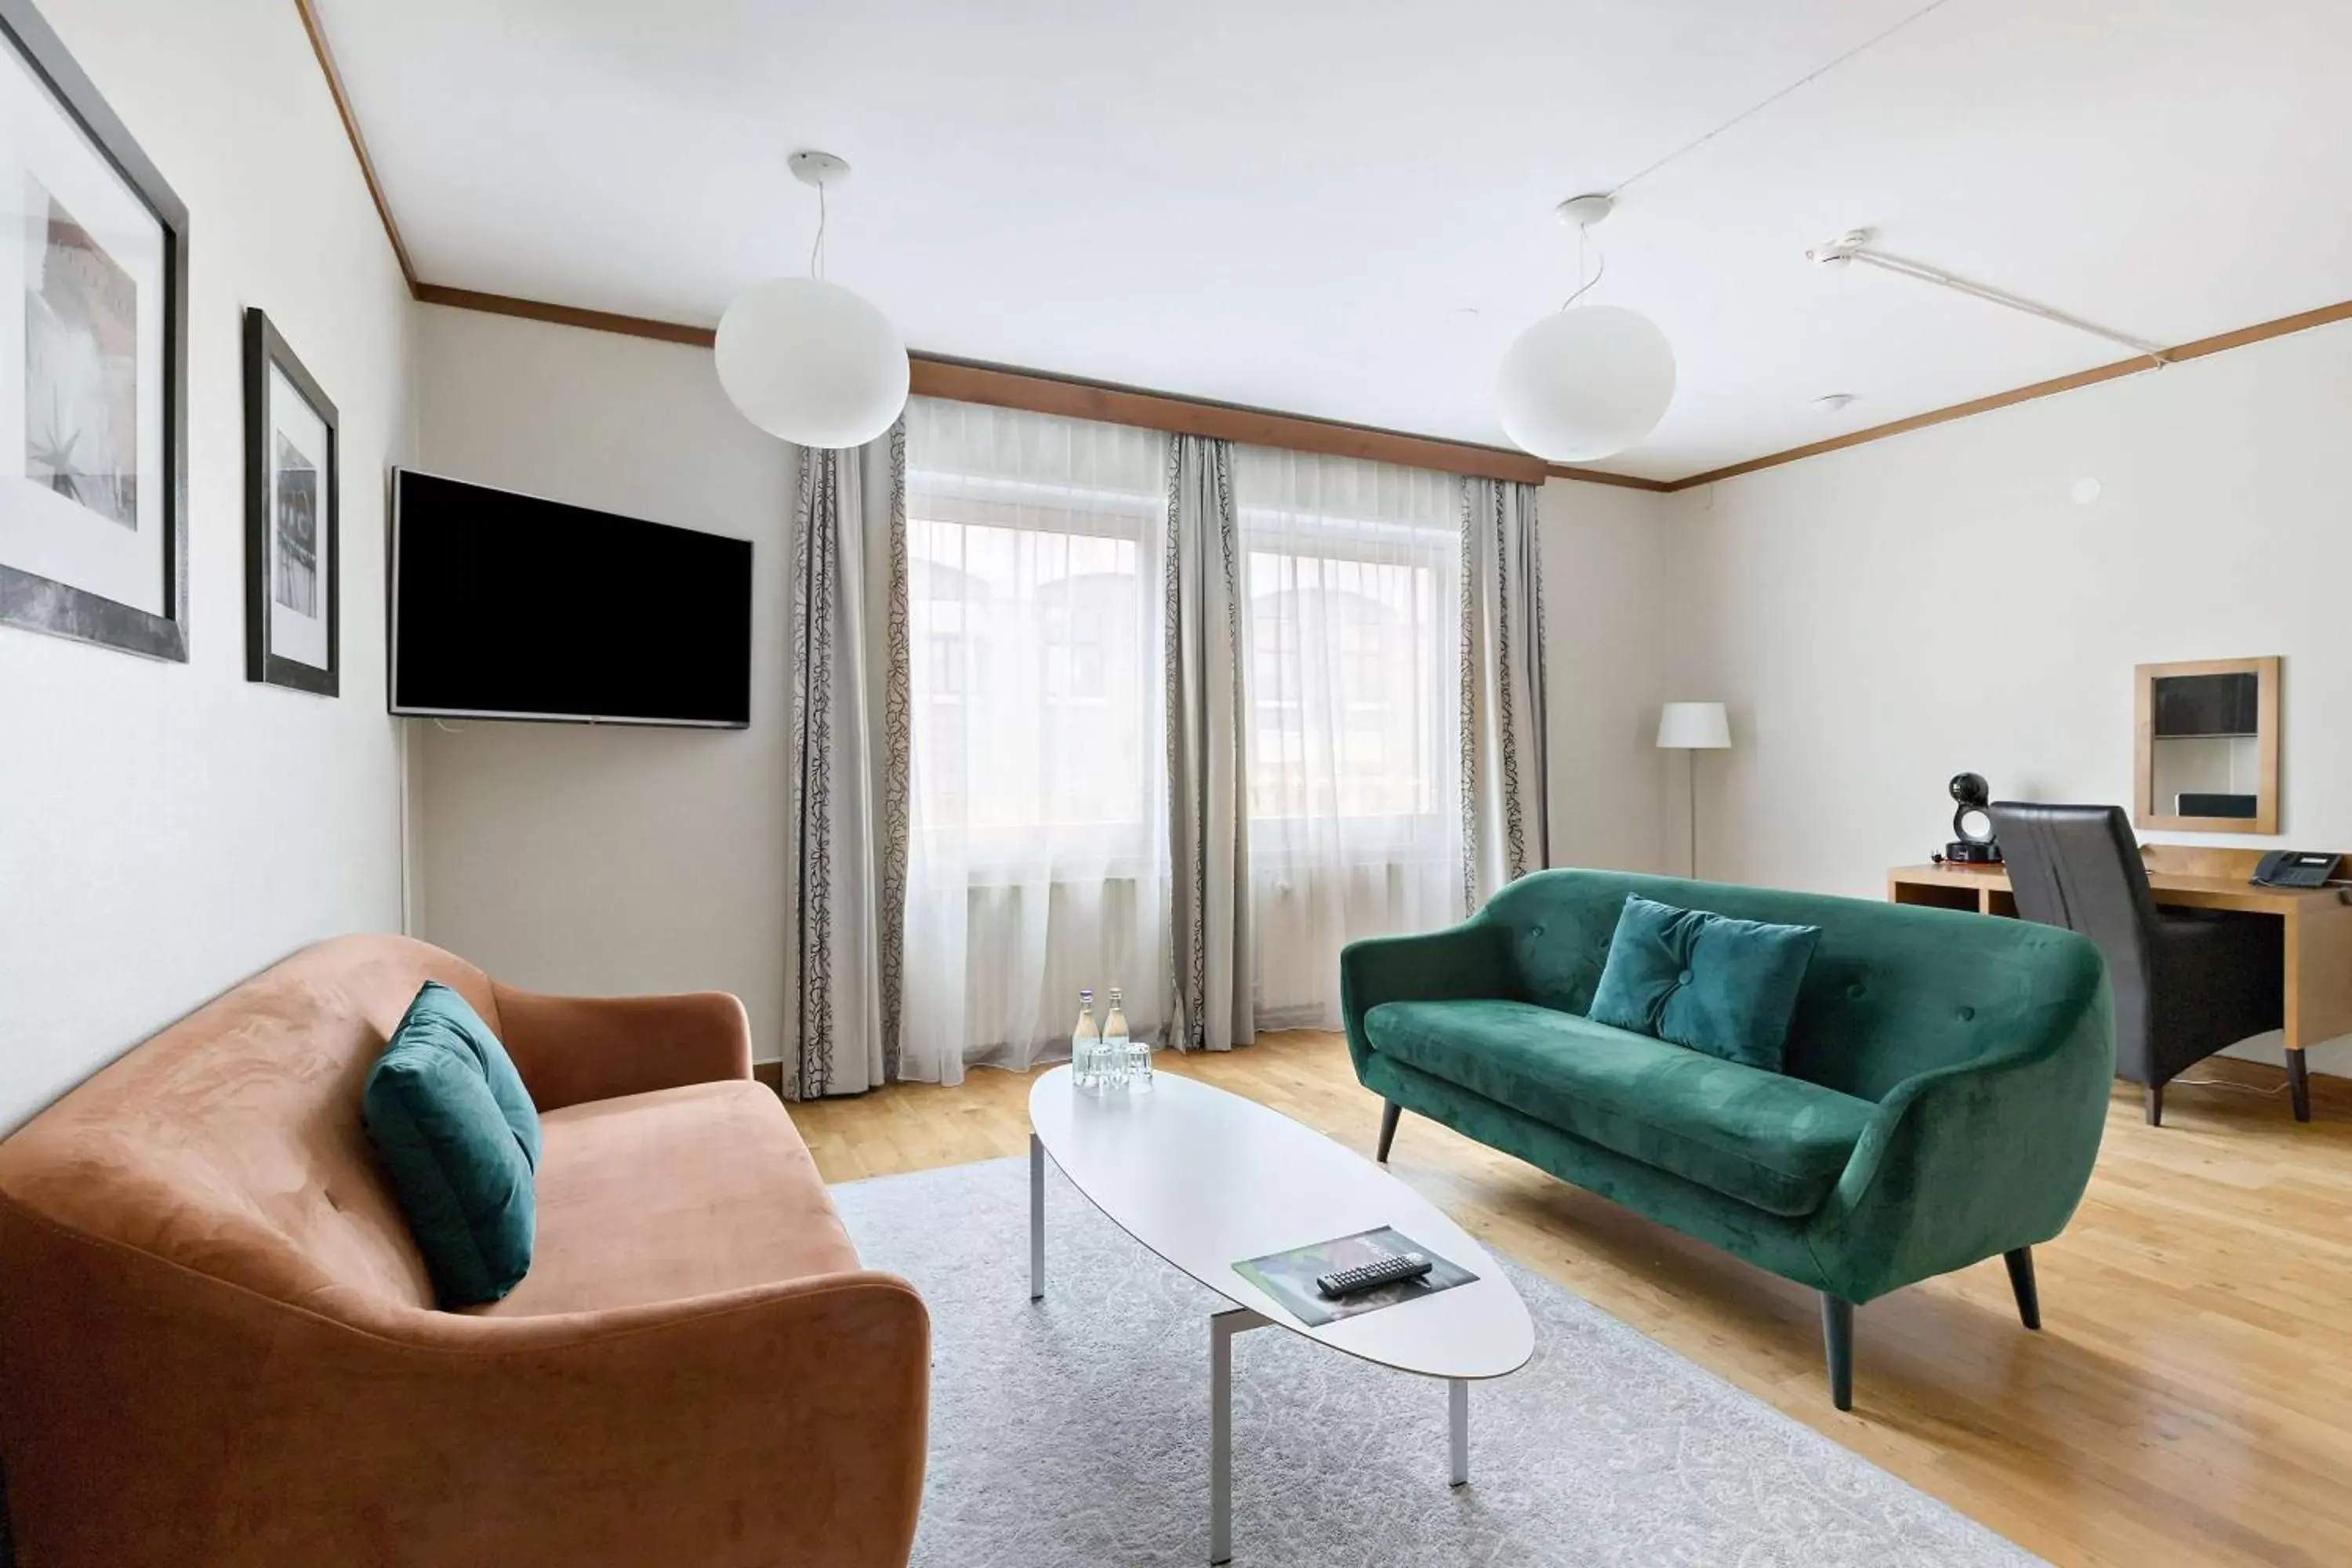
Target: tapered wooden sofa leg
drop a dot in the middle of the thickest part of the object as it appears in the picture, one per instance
(2020, 1280)
(1837, 1340)
(1389, 1112)
(2151, 1099)
(2298, 1085)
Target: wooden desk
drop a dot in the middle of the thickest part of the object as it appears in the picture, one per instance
(2317, 929)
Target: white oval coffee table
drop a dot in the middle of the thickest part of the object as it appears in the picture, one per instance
(1207, 1180)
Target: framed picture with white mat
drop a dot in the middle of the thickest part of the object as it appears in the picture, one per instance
(293, 520)
(93, 362)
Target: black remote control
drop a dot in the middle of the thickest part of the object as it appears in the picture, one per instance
(1372, 1276)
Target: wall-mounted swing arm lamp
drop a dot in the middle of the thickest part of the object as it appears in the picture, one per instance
(1853, 246)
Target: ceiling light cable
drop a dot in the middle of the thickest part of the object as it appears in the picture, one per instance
(1753, 109)
(1584, 289)
(1583, 235)
(817, 246)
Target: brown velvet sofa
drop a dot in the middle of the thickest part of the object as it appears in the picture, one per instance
(218, 1346)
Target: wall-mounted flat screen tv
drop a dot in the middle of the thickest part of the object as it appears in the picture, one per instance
(507, 606)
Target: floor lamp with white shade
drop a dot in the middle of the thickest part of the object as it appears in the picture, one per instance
(1688, 728)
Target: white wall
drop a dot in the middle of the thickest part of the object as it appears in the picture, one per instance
(1883, 617)
(566, 857)
(1606, 560)
(579, 860)
(166, 829)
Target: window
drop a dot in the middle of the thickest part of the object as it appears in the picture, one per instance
(1351, 672)
(1343, 638)
(1029, 681)
(1038, 847)
(1352, 580)
(1033, 569)
(1038, 854)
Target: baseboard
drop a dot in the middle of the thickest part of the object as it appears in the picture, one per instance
(771, 1074)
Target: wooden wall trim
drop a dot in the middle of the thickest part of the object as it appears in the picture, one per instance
(2263, 331)
(1603, 477)
(1000, 387)
(967, 383)
(564, 315)
(1045, 393)
(2138, 365)
(359, 142)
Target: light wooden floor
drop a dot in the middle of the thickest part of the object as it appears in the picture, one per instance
(2188, 1401)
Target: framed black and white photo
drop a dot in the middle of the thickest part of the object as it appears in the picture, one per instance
(93, 356)
(293, 520)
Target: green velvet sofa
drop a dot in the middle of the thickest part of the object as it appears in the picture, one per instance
(1946, 1086)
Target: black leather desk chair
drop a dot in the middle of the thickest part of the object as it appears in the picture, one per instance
(2186, 981)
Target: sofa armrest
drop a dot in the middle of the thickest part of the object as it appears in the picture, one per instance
(571, 1049)
(1464, 963)
(1964, 1162)
(205, 1423)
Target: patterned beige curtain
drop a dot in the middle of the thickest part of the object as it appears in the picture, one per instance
(1208, 826)
(846, 624)
(1505, 767)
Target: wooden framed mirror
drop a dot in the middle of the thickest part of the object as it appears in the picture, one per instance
(2207, 746)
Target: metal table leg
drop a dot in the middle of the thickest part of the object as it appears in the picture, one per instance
(1458, 1412)
(1036, 1219)
(1223, 1327)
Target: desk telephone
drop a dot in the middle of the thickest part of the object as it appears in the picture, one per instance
(2294, 868)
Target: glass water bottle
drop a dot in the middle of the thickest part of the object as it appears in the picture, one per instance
(1085, 1046)
(1110, 1068)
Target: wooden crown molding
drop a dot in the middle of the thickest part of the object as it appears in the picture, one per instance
(1036, 392)
(2138, 365)
(564, 315)
(310, 25)
(963, 381)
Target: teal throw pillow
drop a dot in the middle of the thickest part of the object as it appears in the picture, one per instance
(1725, 986)
(459, 1140)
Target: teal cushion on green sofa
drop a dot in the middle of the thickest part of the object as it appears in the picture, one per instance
(1776, 1143)
(1717, 984)
(459, 1138)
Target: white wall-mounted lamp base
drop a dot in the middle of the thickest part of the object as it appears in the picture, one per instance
(1839, 251)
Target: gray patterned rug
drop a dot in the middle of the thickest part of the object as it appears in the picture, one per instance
(1074, 1432)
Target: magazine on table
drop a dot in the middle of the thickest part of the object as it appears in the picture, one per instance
(1290, 1277)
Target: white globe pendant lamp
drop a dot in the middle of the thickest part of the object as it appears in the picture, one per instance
(1588, 380)
(807, 360)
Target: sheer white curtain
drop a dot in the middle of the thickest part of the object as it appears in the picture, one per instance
(1351, 587)
(1038, 861)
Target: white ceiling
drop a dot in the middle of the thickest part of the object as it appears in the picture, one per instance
(1343, 207)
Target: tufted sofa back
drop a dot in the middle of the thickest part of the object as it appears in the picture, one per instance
(1892, 990)
(231, 1143)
